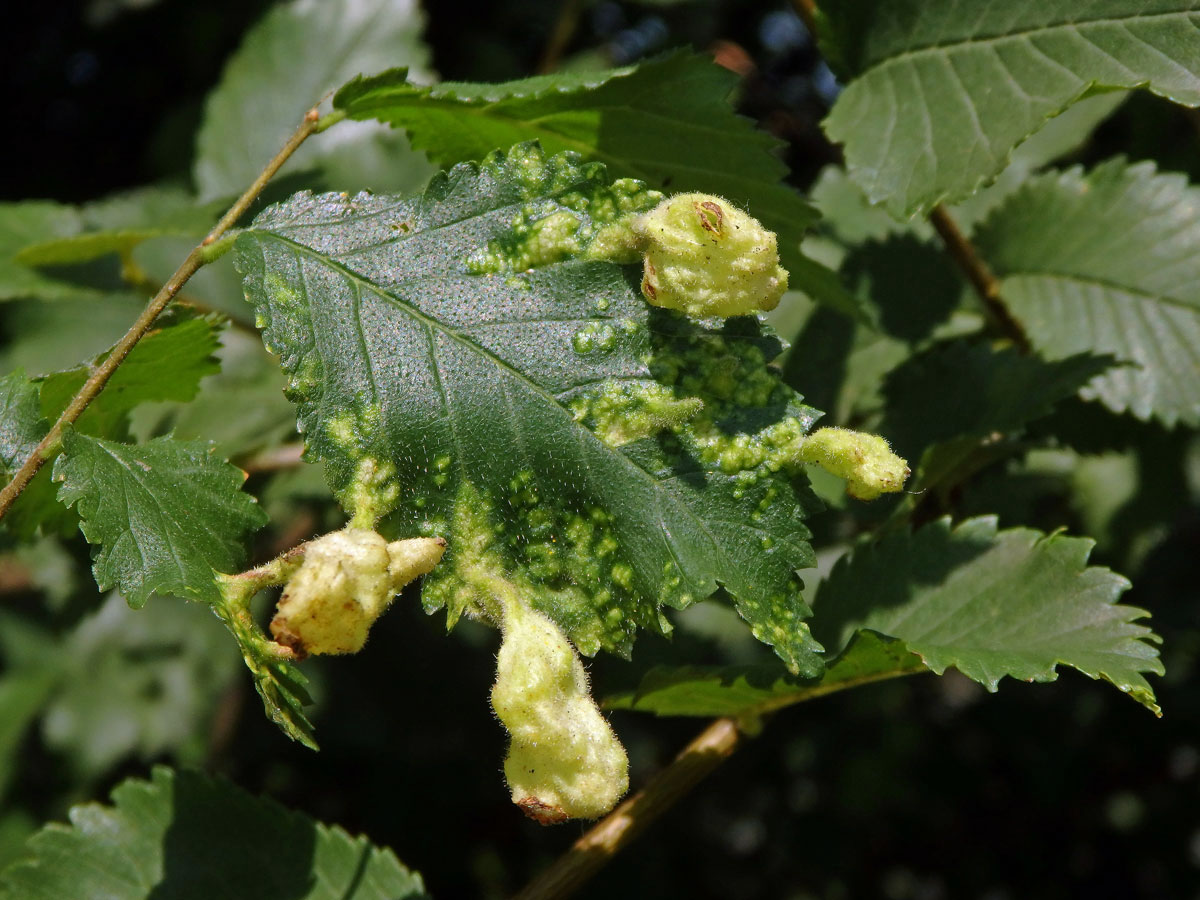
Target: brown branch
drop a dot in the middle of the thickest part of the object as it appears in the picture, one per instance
(560, 36)
(49, 445)
(605, 839)
(807, 11)
(139, 279)
(285, 456)
(963, 252)
(960, 249)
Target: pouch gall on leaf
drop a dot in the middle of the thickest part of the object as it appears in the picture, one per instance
(564, 761)
(705, 257)
(866, 461)
(348, 578)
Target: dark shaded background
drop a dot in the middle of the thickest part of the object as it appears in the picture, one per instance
(924, 789)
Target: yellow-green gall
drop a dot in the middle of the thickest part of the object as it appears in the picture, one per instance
(564, 761)
(866, 461)
(705, 257)
(622, 412)
(346, 581)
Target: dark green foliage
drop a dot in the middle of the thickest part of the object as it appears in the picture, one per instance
(184, 835)
(992, 604)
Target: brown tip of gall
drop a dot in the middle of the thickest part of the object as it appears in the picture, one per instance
(714, 222)
(542, 813)
(440, 541)
(285, 637)
(648, 273)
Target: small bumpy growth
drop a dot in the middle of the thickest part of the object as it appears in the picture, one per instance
(346, 581)
(866, 461)
(564, 761)
(705, 257)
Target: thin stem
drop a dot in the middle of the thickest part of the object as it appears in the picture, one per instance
(807, 11)
(139, 279)
(238, 589)
(286, 456)
(709, 749)
(963, 252)
(560, 36)
(49, 445)
(589, 854)
(823, 690)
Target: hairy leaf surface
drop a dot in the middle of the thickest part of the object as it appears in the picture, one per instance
(1108, 261)
(939, 94)
(454, 361)
(667, 122)
(165, 514)
(991, 604)
(183, 834)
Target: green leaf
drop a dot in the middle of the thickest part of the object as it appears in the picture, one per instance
(850, 219)
(910, 286)
(281, 686)
(747, 692)
(167, 364)
(183, 834)
(22, 696)
(991, 604)
(1108, 261)
(667, 122)
(29, 222)
(1061, 136)
(138, 683)
(22, 426)
(529, 406)
(963, 389)
(42, 243)
(58, 335)
(21, 422)
(241, 408)
(165, 514)
(939, 94)
(119, 223)
(288, 62)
